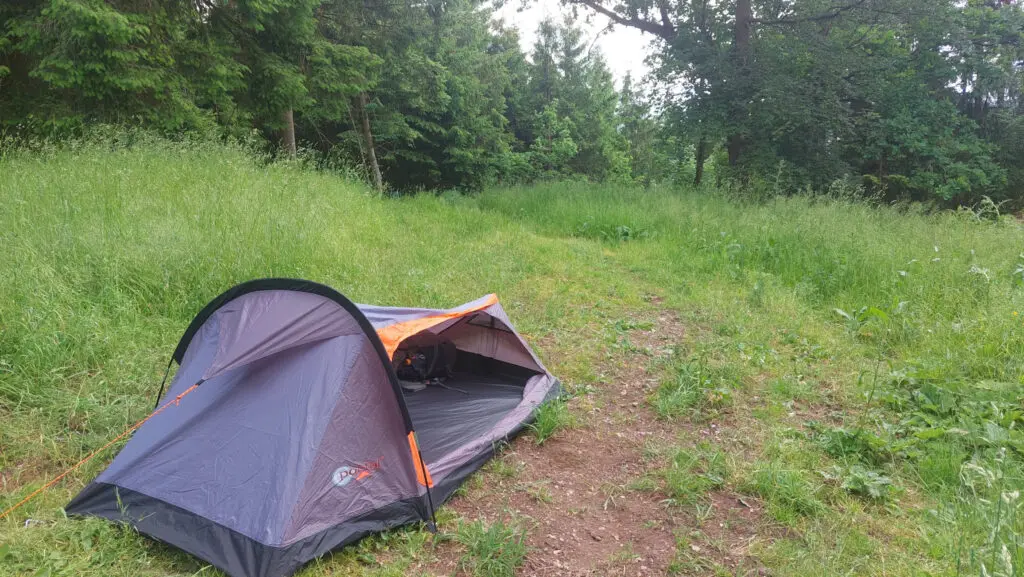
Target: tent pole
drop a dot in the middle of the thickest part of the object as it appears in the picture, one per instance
(162, 383)
(432, 526)
(432, 522)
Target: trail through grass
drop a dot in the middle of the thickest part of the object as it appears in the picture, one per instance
(871, 359)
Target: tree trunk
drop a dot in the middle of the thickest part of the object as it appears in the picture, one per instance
(744, 20)
(359, 141)
(734, 147)
(288, 133)
(371, 153)
(700, 157)
(742, 61)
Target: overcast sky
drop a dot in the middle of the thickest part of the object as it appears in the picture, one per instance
(624, 48)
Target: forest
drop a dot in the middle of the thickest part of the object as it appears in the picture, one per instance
(898, 100)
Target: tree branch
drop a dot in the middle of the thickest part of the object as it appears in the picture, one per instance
(667, 32)
(830, 15)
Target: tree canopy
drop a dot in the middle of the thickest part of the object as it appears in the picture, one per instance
(897, 98)
(917, 100)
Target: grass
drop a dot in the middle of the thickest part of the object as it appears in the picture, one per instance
(494, 550)
(911, 391)
(549, 418)
(691, 474)
(692, 388)
(789, 493)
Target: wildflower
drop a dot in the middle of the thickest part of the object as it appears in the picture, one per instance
(1014, 313)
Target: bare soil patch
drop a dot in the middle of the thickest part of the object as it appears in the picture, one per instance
(579, 497)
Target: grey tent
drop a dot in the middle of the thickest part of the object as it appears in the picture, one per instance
(301, 438)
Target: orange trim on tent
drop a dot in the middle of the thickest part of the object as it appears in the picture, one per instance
(422, 474)
(393, 335)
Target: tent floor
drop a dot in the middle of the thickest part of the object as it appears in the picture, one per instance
(447, 418)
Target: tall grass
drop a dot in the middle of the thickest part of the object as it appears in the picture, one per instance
(108, 251)
(934, 300)
(946, 281)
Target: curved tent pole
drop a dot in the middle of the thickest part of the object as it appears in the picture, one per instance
(167, 371)
(299, 285)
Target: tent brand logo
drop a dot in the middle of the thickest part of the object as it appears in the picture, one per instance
(344, 475)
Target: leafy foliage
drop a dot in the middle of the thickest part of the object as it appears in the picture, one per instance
(920, 101)
(975, 416)
(862, 481)
(891, 98)
(859, 444)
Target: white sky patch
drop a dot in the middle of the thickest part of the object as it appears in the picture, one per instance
(624, 49)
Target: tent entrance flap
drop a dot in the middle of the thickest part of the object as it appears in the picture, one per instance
(477, 395)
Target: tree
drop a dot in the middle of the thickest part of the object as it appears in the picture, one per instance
(65, 63)
(808, 91)
(916, 100)
(273, 38)
(554, 147)
(576, 87)
(988, 57)
(642, 133)
(438, 105)
(545, 75)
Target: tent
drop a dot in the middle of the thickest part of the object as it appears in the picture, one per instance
(300, 437)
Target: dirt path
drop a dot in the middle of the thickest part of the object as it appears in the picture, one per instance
(588, 497)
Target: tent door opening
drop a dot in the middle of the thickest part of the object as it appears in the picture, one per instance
(471, 397)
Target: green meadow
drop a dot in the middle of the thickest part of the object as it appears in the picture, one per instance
(871, 357)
